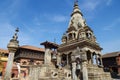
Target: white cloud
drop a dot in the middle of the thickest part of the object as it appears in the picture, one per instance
(112, 25)
(59, 18)
(51, 18)
(56, 17)
(90, 5)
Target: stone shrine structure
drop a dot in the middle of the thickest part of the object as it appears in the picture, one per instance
(77, 58)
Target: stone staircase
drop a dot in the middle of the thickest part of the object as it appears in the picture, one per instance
(49, 72)
(97, 73)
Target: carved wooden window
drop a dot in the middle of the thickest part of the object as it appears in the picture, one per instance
(38, 63)
(117, 59)
(31, 62)
(2, 54)
(6, 55)
(24, 62)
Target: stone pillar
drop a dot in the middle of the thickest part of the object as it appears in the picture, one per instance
(9, 66)
(67, 60)
(12, 47)
(84, 70)
(74, 76)
(101, 61)
(96, 56)
(47, 57)
(84, 66)
(59, 60)
(48, 51)
(72, 36)
(91, 58)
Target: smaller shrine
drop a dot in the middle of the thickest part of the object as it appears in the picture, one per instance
(49, 70)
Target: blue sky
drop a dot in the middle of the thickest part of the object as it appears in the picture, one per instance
(41, 20)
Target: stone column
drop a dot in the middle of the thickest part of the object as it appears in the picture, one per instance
(72, 36)
(96, 56)
(84, 66)
(101, 61)
(67, 60)
(9, 66)
(58, 60)
(74, 76)
(84, 70)
(47, 57)
(12, 47)
(91, 58)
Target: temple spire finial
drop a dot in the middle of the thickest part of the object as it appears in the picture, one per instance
(76, 8)
(75, 2)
